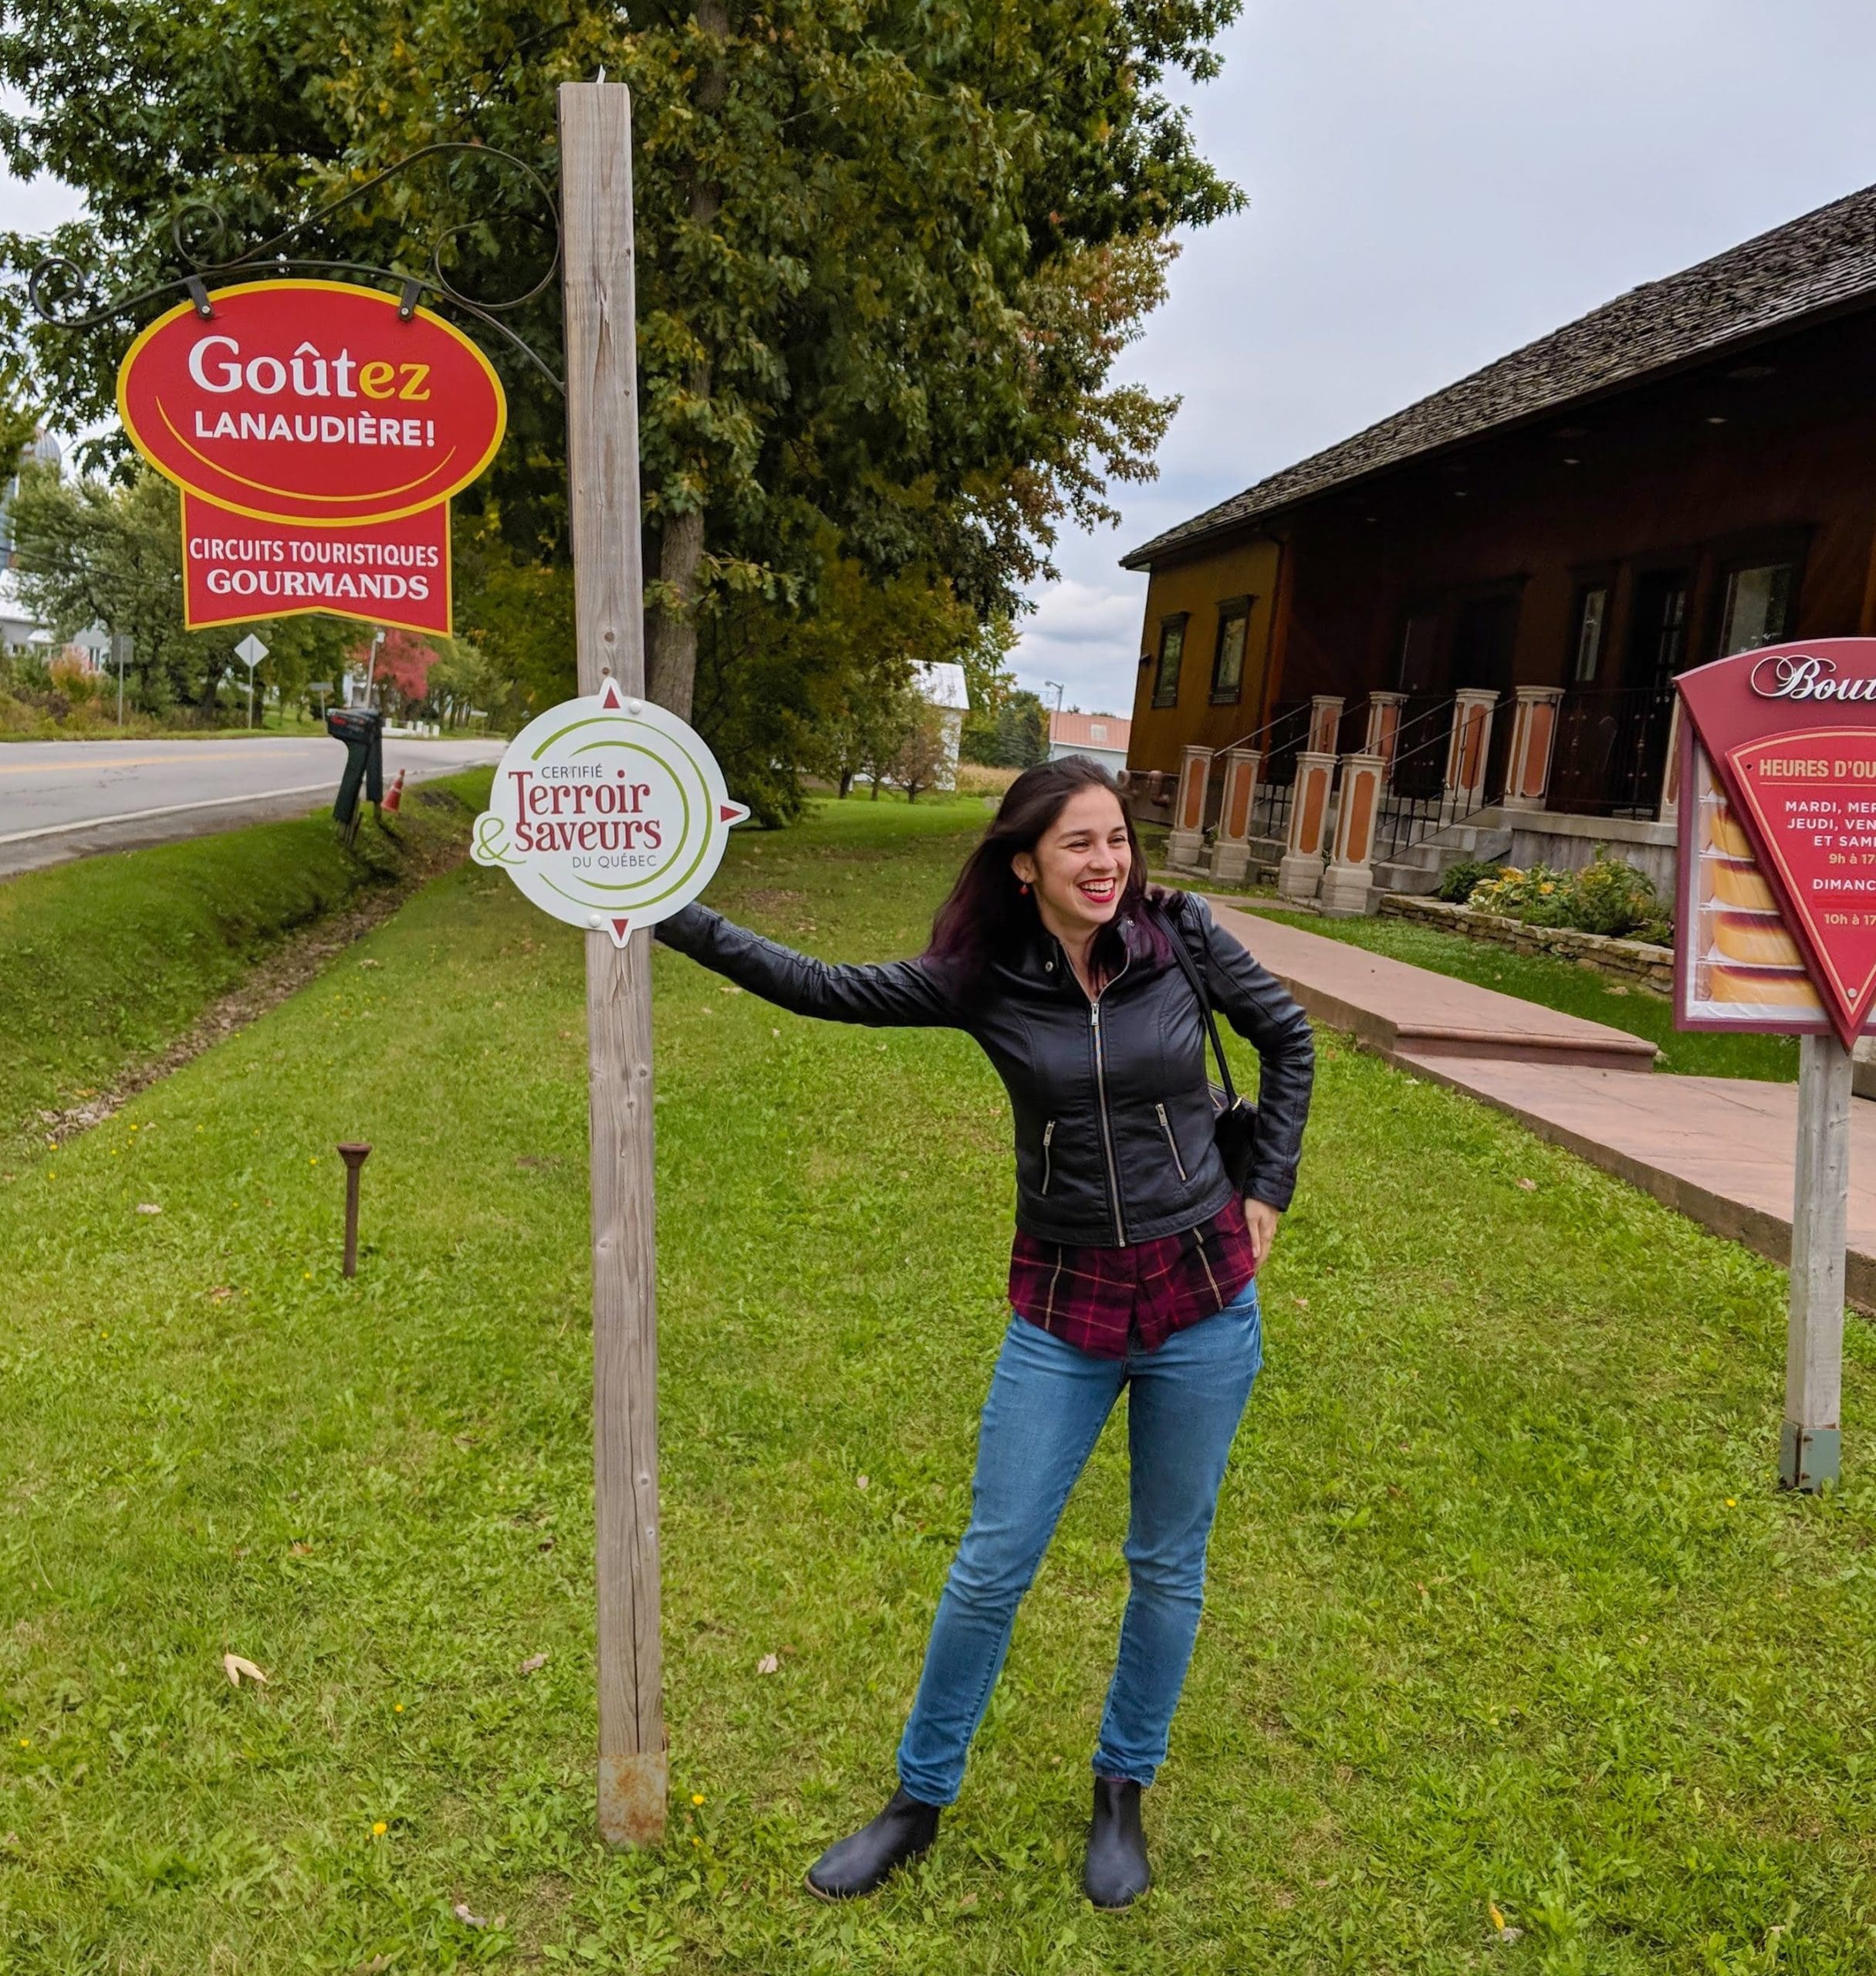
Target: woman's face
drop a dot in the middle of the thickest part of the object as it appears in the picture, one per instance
(1080, 864)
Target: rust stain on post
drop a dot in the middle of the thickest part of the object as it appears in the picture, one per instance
(632, 1793)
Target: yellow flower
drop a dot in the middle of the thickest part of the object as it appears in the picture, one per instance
(696, 1841)
(1498, 1919)
(398, 1706)
(378, 1830)
(697, 1796)
(26, 1742)
(1731, 1504)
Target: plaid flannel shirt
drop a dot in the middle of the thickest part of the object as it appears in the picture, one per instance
(1111, 1301)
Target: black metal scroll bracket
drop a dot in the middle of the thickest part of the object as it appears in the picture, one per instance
(270, 254)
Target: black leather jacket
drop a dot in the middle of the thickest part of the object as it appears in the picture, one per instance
(1112, 1111)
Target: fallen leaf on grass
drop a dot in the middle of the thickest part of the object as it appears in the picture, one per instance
(376, 1967)
(860, 1482)
(769, 1664)
(1497, 1919)
(1529, 1187)
(234, 1667)
(148, 1207)
(532, 1665)
(460, 1910)
(220, 1292)
(298, 1550)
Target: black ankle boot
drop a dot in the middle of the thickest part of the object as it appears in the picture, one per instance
(856, 1864)
(1117, 1874)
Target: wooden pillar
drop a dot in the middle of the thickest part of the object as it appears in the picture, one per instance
(1300, 875)
(1188, 810)
(1231, 853)
(1383, 728)
(1325, 723)
(602, 434)
(1533, 736)
(1468, 751)
(1348, 884)
(1809, 1452)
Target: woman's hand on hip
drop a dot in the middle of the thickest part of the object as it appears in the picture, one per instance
(1261, 1218)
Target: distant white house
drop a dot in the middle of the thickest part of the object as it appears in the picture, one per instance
(941, 683)
(19, 627)
(1102, 737)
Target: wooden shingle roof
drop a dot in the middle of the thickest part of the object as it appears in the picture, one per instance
(1805, 268)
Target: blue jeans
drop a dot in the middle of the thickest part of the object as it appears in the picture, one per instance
(1048, 1401)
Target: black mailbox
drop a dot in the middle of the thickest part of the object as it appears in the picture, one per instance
(362, 730)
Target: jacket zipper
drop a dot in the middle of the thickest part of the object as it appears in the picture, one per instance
(1100, 1094)
(1172, 1143)
(1048, 1134)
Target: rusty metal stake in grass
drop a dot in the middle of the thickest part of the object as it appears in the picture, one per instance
(354, 1156)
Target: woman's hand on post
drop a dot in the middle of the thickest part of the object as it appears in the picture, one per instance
(1261, 1218)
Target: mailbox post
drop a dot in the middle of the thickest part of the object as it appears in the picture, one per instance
(362, 730)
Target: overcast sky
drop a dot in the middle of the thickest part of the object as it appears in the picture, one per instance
(1430, 183)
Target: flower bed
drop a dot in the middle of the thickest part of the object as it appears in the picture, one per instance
(1639, 962)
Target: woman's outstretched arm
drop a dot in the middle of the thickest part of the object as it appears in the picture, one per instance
(1260, 1009)
(900, 994)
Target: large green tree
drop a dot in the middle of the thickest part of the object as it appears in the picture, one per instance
(888, 253)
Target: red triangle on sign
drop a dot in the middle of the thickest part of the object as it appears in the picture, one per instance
(619, 928)
(610, 699)
(1819, 839)
(731, 812)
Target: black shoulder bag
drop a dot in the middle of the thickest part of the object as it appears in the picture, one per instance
(1234, 1125)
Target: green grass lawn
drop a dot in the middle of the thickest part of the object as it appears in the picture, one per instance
(105, 961)
(1578, 991)
(1504, 1608)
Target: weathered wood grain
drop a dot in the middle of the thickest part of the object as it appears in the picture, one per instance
(602, 420)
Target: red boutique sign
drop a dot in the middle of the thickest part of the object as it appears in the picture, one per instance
(317, 437)
(1777, 895)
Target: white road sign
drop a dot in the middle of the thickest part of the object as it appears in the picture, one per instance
(250, 652)
(607, 812)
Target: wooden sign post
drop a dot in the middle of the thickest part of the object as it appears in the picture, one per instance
(1810, 1450)
(601, 430)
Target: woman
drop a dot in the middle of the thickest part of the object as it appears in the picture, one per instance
(1134, 1260)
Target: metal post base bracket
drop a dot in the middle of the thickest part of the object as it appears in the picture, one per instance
(633, 1791)
(1810, 1458)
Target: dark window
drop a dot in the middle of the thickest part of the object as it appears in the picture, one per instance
(1228, 661)
(1172, 650)
(1483, 640)
(1657, 629)
(1757, 607)
(1586, 643)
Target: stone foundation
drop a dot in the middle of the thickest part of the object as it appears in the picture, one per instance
(1634, 961)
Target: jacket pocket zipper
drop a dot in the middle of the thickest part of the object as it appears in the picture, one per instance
(1048, 1135)
(1172, 1143)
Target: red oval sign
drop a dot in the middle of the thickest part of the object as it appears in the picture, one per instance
(312, 402)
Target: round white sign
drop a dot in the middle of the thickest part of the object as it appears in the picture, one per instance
(608, 812)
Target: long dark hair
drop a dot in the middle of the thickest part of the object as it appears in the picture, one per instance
(988, 915)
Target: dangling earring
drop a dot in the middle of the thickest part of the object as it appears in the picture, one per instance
(1022, 884)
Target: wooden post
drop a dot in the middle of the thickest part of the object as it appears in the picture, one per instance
(602, 434)
(1808, 1453)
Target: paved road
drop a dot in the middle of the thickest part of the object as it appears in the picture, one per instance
(67, 799)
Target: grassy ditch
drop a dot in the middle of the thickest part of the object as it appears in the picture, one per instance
(105, 961)
(1513, 1658)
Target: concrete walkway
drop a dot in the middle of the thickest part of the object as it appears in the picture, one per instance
(1719, 1150)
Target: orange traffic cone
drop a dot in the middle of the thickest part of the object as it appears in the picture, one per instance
(394, 795)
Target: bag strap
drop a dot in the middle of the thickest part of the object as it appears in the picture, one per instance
(1183, 955)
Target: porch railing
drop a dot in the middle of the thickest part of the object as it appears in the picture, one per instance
(1611, 752)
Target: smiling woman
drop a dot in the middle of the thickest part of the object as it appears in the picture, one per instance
(1133, 1263)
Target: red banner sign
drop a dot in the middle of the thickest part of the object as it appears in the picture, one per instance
(317, 435)
(1778, 839)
